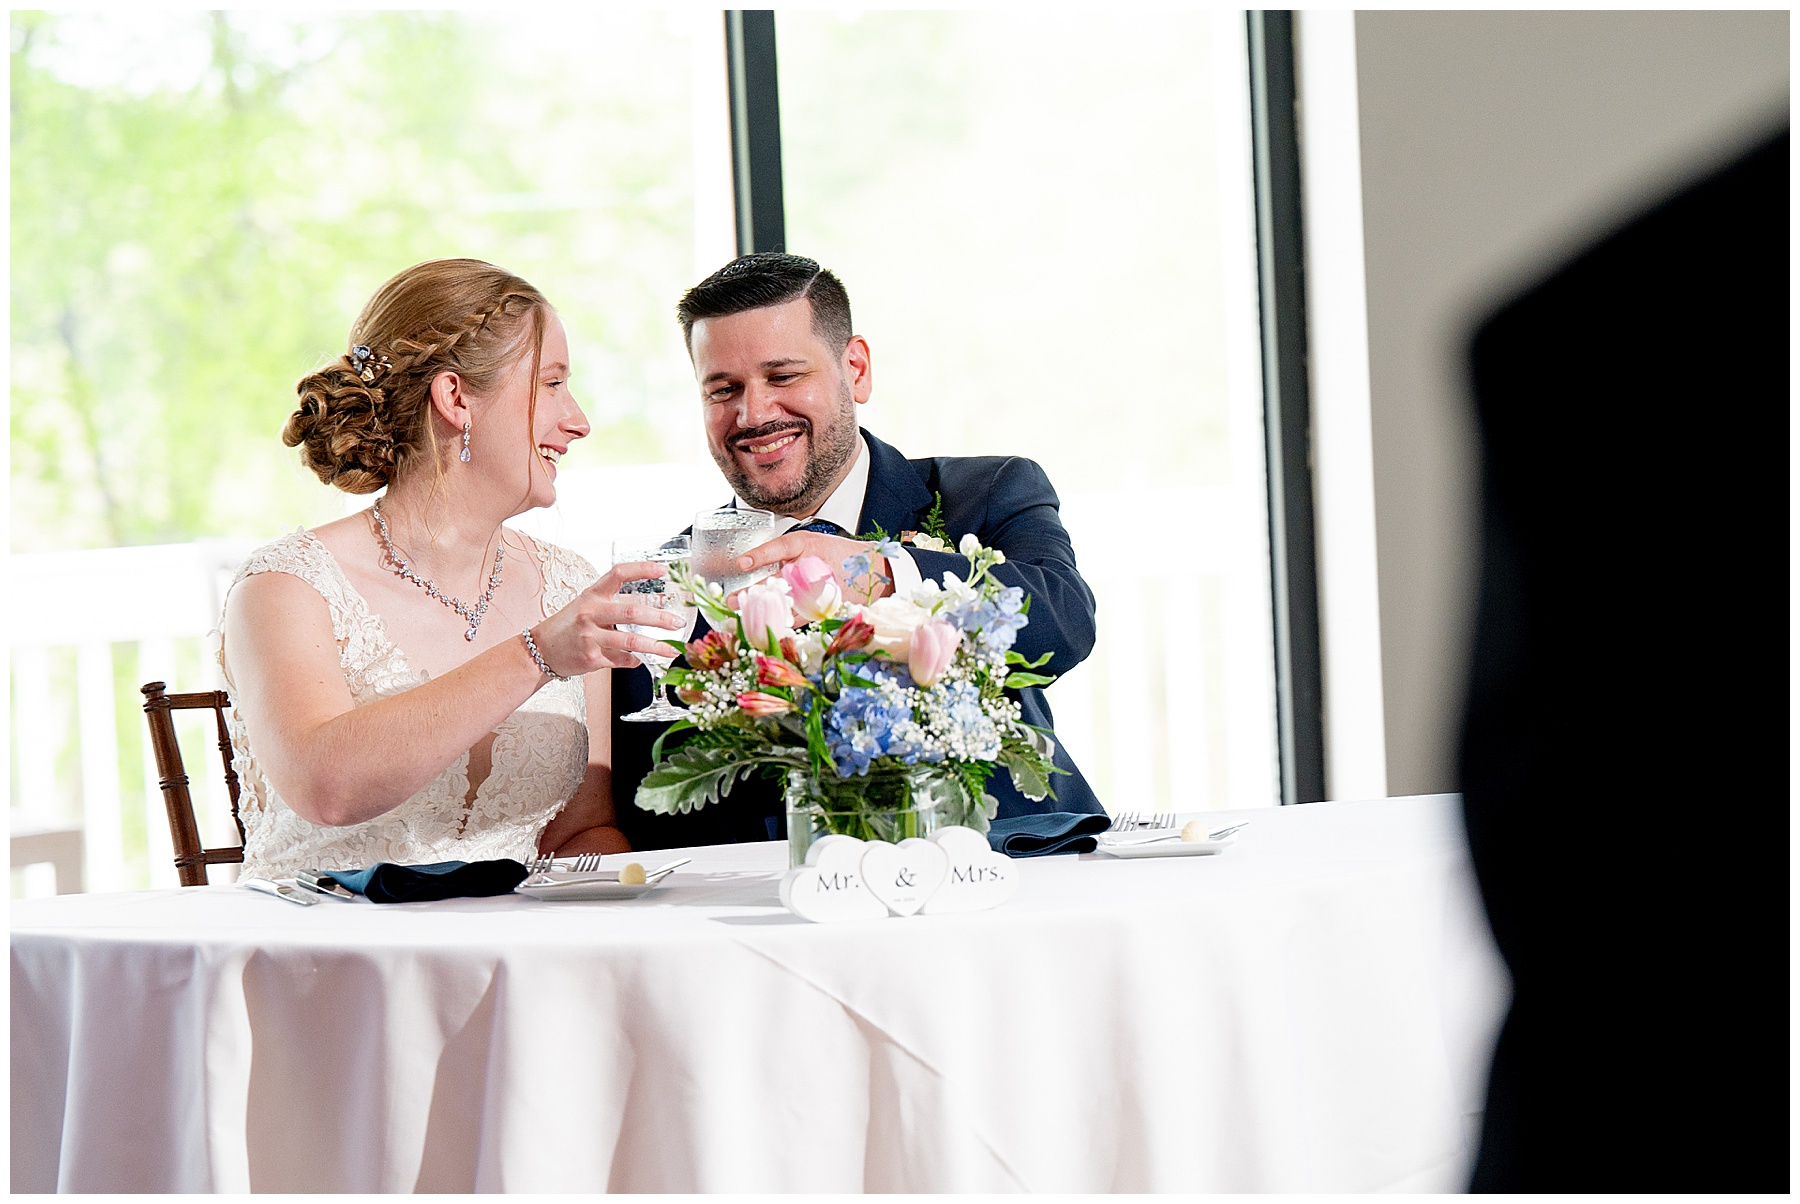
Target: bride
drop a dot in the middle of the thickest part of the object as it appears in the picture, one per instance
(412, 683)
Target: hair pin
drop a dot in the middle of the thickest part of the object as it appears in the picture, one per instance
(366, 364)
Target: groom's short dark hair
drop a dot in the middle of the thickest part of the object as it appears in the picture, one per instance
(770, 278)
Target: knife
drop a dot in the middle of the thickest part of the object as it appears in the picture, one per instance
(281, 891)
(319, 884)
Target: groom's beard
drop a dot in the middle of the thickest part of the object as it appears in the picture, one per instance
(827, 452)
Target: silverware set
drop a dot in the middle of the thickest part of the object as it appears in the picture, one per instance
(280, 890)
(589, 863)
(1159, 821)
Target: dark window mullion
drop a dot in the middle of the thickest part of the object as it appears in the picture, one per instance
(1287, 407)
(755, 100)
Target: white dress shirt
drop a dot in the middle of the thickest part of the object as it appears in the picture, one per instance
(844, 507)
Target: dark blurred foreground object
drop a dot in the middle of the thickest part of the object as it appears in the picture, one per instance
(1625, 750)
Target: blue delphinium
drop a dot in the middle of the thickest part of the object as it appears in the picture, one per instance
(996, 624)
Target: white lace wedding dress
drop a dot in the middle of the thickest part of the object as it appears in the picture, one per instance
(539, 751)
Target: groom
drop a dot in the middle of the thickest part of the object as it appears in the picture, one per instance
(781, 374)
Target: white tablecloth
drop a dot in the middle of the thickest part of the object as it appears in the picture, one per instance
(1311, 1010)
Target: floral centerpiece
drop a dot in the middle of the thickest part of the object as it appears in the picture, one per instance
(885, 717)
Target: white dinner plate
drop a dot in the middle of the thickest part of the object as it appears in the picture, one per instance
(1172, 847)
(603, 885)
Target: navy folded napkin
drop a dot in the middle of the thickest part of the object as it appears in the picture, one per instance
(390, 883)
(1044, 835)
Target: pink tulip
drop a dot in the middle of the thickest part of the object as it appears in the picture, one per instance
(766, 612)
(755, 702)
(934, 645)
(817, 594)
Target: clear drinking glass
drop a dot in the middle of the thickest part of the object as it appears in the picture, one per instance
(661, 593)
(721, 536)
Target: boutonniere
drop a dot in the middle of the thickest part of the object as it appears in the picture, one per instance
(933, 538)
(930, 543)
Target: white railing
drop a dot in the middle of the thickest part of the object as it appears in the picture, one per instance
(1173, 711)
(113, 608)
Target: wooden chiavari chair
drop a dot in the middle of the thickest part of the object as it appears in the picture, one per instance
(191, 859)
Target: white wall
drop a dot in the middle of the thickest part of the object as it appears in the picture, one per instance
(1494, 144)
(1337, 345)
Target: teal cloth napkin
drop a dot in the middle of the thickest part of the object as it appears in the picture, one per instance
(390, 883)
(1047, 834)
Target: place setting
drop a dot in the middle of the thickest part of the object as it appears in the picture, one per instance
(1136, 834)
(580, 879)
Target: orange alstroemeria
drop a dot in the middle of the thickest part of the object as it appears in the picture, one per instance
(771, 672)
(755, 702)
(714, 650)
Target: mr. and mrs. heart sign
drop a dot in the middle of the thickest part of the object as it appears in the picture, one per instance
(849, 879)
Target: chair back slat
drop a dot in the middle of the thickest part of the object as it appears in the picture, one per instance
(191, 857)
(231, 778)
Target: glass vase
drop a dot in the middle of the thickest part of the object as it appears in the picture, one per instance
(888, 804)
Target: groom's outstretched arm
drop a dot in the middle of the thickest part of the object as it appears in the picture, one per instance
(1008, 503)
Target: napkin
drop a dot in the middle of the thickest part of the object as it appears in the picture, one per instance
(1043, 835)
(390, 883)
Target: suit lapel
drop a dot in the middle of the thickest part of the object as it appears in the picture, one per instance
(896, 499)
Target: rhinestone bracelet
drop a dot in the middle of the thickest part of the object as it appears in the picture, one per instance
(531, 647)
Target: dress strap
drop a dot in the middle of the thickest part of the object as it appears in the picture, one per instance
(566, 574)
(301, 554)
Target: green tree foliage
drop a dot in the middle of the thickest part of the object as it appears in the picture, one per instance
(185, 247)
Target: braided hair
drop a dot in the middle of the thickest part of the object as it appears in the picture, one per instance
(364, 416)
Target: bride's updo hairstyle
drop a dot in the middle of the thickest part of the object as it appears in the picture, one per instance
(364, 416)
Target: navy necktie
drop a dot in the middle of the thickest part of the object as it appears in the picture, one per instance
(823, 526)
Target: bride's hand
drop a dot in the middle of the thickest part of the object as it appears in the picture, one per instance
(584, 635)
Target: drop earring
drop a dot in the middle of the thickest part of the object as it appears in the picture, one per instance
(465, 451)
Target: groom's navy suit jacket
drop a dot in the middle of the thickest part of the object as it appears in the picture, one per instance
(1004, 501)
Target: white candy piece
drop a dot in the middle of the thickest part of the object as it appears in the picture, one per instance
(829, 887)
(1194, 830)
(903, 876)
(979, 878)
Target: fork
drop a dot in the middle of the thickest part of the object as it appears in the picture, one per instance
(1139, 821)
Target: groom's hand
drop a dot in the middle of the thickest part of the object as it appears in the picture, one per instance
(834, 550)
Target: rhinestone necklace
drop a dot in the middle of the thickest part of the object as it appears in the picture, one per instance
(472, 613)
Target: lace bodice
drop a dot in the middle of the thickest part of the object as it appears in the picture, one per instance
(539, 751)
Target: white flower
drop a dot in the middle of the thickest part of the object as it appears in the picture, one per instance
(969, 545)
(999, 556)
(930, 543)
(926, 596)
(894, 619)
(957, 591)
(810, 644)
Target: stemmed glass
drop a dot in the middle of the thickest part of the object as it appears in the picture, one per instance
(663, 594)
